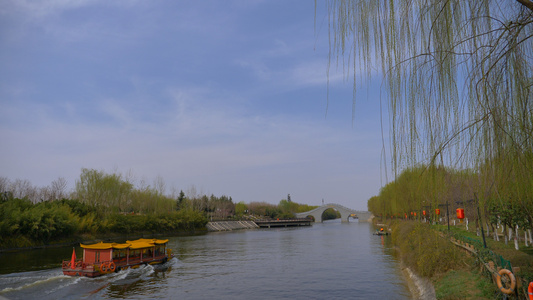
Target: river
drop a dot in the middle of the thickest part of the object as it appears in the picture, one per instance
(331, 260)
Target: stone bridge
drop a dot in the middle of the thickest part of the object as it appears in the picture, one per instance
(363, 216)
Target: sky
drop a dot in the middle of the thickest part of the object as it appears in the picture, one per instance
(223, 97)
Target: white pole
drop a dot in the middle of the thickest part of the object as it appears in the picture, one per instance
(506, 236)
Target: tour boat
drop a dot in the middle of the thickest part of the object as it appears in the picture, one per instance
(103, 258)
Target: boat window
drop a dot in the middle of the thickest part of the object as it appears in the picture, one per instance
(135, 254)
(119, 254)
(148, 253)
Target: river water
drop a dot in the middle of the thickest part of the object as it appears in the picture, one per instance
(331, 260)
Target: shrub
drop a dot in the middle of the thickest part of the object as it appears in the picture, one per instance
(424, 249)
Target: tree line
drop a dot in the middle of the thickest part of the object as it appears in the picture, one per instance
(417, 192)
(110, 203)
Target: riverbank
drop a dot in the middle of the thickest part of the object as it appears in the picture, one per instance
(455, 269)
(421, 288)
(91, 239)
(110, 237)
(230, 225)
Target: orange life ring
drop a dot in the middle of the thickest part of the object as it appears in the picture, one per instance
(112, 267)
(530, 290)
(103, 267)
(509, 274)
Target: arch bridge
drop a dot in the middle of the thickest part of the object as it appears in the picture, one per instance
(363, 216)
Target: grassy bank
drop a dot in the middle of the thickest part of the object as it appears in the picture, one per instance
(454, 273)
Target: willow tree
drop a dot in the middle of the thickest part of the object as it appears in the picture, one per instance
(457, 76)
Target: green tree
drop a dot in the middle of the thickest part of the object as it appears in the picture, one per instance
(241, 209)
(181, 198)
(105, 191)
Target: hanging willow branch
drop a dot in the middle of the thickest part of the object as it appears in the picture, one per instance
(458, 77)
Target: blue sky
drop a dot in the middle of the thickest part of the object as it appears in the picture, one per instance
(229, 97)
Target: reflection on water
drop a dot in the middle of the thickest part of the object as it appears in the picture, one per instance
(33, 260)
(330, 260)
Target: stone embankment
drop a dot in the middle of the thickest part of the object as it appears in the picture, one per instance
(420, 288)
(230, 225)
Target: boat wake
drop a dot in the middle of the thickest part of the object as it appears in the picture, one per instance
(20, 281)
(146, 271)
(67, 283)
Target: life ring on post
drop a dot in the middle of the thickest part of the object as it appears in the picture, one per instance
(112, 267)
(530, 290)
(509, 274)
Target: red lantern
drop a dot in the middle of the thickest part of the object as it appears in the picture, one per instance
(411, 213)
(437, 211)
(424, 212)
(460, 214)
(415, 214)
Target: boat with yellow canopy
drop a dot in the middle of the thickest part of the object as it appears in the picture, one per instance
(103, 258)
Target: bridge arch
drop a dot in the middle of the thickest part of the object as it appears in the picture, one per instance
(363, 216)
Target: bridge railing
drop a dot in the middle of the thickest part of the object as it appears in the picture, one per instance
(332, 205)
(283, 220)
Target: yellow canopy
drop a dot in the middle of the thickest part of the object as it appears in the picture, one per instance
(160, 242)
(153, 241)
(98, 246)
(141, 245)
(120, 246)
(136, 244)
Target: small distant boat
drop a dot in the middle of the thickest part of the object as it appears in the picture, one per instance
(103, 258)
(381, 233)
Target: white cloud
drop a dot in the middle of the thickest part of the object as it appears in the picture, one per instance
(37, 9)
